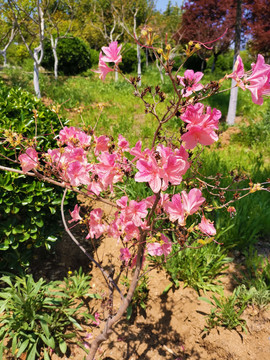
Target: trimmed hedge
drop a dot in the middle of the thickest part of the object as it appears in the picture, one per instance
(29, 209)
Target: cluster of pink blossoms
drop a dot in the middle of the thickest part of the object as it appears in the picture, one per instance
(201, 125)
(98, 163)
(92, 162)
(257, 81)
(112, 54)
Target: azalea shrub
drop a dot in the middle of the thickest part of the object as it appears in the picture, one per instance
(100, 167)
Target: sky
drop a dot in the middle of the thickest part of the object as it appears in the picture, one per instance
(162, 4)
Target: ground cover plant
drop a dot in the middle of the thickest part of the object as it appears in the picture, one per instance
(176, 212)
(35, 316)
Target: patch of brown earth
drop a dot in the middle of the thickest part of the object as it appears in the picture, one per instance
(173, 324)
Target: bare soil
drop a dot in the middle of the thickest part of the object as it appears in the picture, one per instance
(172, 327)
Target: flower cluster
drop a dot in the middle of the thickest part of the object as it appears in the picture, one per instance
(112, 54)
(96, 163)
(257, 81)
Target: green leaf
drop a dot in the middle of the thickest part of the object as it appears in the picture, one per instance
(46, 355)
(48, 341)
(75, 323)
(205, 299)
(167, 288)
(63, 346)
(45, 328)
(22, 347)
(129, 312)
(14, 345)
(32, 354)
(1, 349)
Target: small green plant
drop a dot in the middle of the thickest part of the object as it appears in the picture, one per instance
(35, 316)
(226, 311)
(199, 268)
(253, 296)
(77, 285)
(140, 296)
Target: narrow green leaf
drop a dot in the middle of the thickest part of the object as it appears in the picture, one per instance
(14, 345)
(205, 299)
(32, 354)
(45, 328)
(22, 347)
(129, 312)
(46, 355)
(75, 323)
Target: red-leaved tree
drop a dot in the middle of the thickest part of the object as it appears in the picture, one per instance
(259, 25)
(203, 20)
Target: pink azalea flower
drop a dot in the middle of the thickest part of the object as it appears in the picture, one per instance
(201, 123)
(259, 81)
(29, 160)
(131, 231)
(73, 136)
(125, 255)
(101, 144)
(198, 135)
(75, 214)
(136, 211)
(103, 68)
(97, 322)
(164, 247)
(149, 172)
(238, 72)
(192, 201)
(112, 53)
(175, 209)
(78, 173)
(123, 143)
(190, 82)
(207, 227)
(96, 226)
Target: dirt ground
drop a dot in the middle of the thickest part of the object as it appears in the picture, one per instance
(173, 325)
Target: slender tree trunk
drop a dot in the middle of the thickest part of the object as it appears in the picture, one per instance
(116, 76)
(4, 54)
(139, 64)
(54, 47)
(36, 73)
(234, 90)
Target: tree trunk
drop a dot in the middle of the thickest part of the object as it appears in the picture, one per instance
(234, 90)
(36, 73)
(54, 47)
(139, 64)
(116, 76)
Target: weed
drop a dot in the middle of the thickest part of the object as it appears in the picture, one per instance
(140, 296)
(199, 268)
(226, 312)
(35, 316)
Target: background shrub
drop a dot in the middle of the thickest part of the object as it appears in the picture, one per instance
(94, 56)
(27, 206)
(129, 61)
(73, 55)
